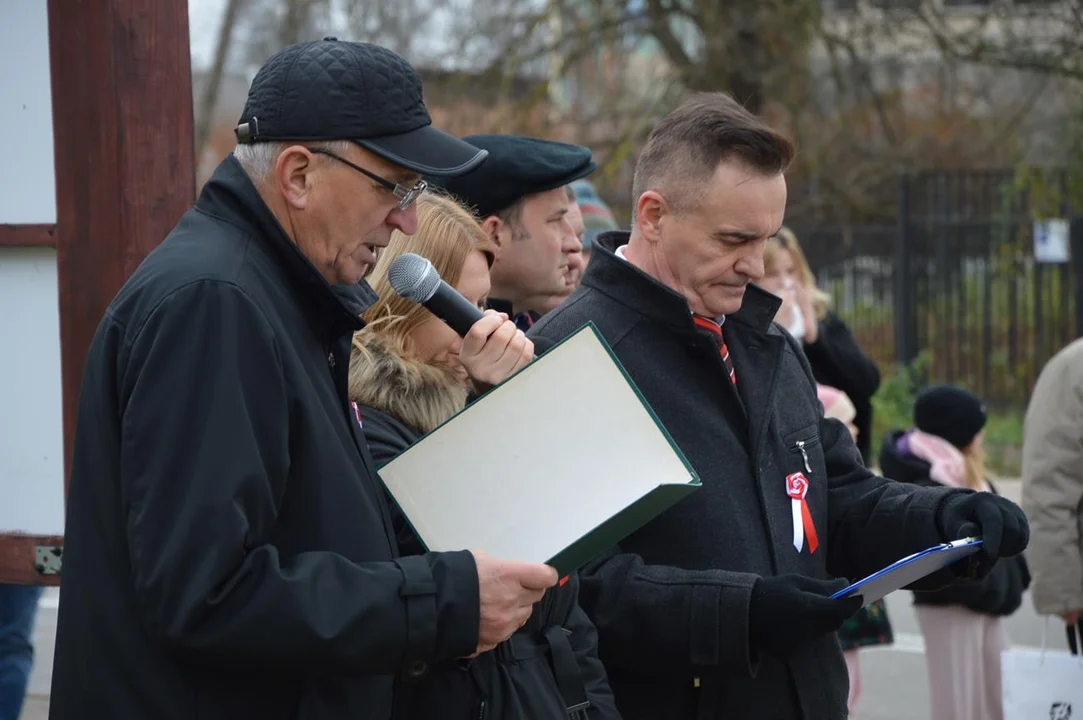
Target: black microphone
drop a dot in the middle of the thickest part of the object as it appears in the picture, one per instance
(414, 278)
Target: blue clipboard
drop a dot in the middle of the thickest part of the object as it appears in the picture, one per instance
(910, 569)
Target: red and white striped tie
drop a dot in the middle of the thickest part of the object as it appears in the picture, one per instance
(715, 331)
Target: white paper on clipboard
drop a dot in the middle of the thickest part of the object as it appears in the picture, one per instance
(910, 569)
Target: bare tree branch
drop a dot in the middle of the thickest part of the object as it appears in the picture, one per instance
(660, 28)
(209, 101)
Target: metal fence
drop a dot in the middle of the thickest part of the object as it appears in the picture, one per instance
(956, 275)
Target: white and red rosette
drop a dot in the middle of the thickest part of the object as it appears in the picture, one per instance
(797, 489)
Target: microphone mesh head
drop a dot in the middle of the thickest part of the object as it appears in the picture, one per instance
(413, 277)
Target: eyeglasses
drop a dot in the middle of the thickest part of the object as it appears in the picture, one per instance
(405, 195)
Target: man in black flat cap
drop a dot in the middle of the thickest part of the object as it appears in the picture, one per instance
(519, 195)
(229, 552)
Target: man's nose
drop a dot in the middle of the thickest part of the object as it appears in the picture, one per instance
(405, 221)
(572, 243)
(575, 258)
(751, 265)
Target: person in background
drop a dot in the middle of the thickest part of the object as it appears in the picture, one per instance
(519, 195)
(18, 608)
(830, 347)
(1053, 485)
(960, 624)
(576, 260)
(837, 406)
(597, 217)
(721, 606)
(870, 626)
(409, 373)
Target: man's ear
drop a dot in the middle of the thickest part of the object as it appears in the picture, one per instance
(498, 233)
(651, 210)
(293, 175)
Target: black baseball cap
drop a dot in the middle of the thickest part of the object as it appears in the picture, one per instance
(338, 90)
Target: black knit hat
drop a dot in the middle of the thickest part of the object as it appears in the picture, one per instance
(951, 413)
(332, 90)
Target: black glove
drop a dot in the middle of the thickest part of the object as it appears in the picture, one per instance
(790, 611)
(1001, 524)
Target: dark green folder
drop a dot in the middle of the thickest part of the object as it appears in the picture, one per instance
(602, 463)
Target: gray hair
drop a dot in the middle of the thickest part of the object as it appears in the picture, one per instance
(258, 159)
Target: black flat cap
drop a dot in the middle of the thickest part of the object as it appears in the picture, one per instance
(332, 90)
(517, 166)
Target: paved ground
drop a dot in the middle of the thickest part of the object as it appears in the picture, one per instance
(895, 685)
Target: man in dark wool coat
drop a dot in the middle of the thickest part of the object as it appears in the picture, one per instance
(720, 607)
(229, 552)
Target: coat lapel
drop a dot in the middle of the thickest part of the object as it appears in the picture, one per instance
(757, 389)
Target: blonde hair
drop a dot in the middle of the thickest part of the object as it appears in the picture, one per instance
(974, 459)
(786, 240)
(446, 234)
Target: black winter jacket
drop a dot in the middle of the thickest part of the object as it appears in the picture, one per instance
(550, 667)
(228, 551)
(836, 360)
(1000, 593)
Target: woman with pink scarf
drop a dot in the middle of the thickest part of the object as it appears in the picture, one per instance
(961, 623)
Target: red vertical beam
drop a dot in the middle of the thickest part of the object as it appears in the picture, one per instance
(125, 172)
(125, 163)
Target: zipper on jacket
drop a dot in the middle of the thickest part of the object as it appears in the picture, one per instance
(804, 456)
(481, 710)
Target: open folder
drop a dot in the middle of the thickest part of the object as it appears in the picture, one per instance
(910, 569)
(555, 465)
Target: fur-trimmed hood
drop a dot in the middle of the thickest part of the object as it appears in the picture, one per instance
(421, 396)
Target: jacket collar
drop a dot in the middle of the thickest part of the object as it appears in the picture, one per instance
(420, 395)
(229, 195)
(634, 288)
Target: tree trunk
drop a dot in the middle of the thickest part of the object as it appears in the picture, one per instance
(743, 54)
(295, 22)
(213, 83)
(746, 74)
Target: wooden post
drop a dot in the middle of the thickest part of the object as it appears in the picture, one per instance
(125, 165)
(125, 172)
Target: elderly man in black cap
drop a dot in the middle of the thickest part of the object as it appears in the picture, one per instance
(519, 195)
(229, 550)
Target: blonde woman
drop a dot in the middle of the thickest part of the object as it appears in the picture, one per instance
(830, 347)
(961, 623)
(409, 373)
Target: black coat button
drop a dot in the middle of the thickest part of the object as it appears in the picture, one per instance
(417, 669)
